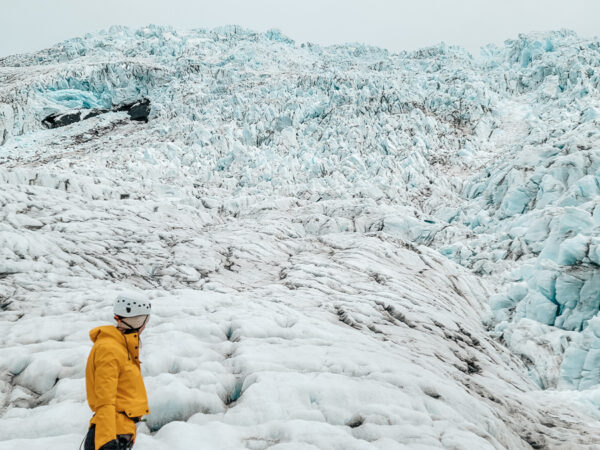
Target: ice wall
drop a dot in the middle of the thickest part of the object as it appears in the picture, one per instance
(537, 204)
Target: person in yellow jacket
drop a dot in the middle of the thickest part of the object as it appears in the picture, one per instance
(113, 379)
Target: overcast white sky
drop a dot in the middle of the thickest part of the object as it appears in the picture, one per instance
(28, 25)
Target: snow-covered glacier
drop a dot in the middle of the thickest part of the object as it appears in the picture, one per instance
(346, 248)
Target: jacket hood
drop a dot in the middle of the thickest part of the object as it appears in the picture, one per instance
(105, 331)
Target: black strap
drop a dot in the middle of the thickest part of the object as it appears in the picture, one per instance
(131, 329)
(134, 419)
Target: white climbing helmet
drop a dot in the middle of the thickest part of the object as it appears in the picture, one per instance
(129, 306)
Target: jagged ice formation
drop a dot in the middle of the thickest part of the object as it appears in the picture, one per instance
(345, 247)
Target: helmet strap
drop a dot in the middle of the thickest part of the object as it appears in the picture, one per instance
(130, 329)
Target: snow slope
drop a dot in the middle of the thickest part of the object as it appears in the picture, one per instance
(345, 248)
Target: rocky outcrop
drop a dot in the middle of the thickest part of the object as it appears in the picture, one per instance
(138, 110)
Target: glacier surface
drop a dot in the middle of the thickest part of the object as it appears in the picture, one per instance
(346, 247)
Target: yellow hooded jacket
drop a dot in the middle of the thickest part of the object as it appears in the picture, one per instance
(114, 384)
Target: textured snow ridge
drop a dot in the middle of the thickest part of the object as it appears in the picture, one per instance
(296, 214)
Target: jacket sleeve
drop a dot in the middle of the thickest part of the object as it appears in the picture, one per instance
(106, 377)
